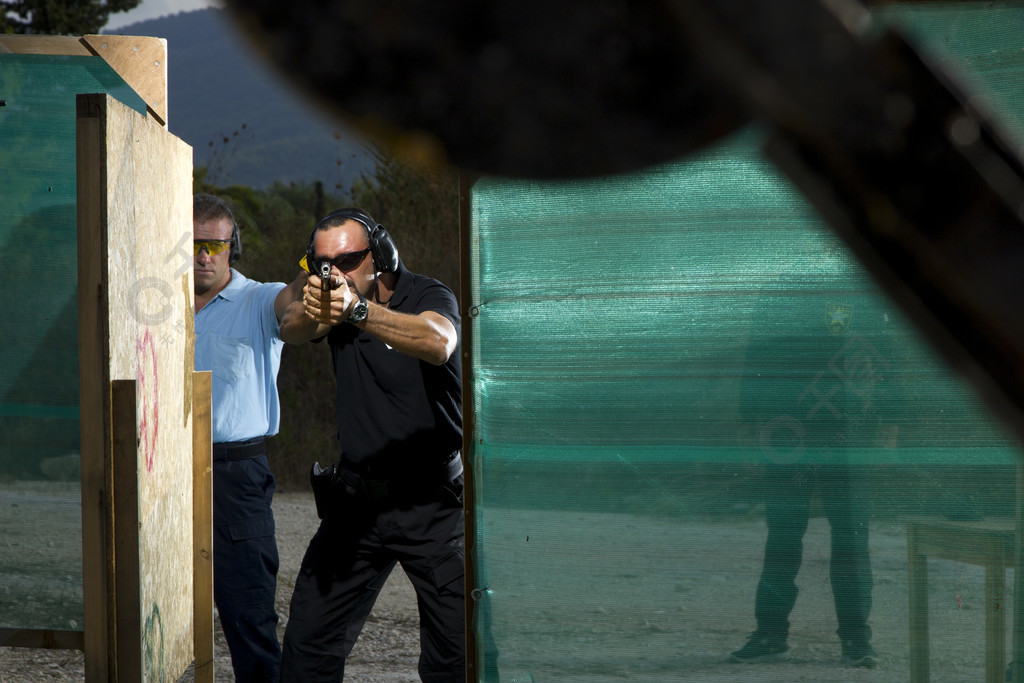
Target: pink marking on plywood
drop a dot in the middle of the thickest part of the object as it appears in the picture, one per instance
(148, 392)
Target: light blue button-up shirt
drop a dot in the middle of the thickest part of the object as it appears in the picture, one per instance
(238, 338)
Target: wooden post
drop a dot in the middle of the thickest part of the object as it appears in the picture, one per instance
(94, 410)
(202, 532)
(995, 617)
(1017, 663)
(917, 593)
(469, 478)
(127, 608)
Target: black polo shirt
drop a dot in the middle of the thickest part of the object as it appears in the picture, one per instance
(393, 410)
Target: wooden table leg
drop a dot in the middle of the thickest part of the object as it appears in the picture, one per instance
(917, 578)
(995, 622)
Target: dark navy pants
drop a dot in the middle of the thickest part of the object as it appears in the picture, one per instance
(347, 563)
(843, 491)
(245, 563)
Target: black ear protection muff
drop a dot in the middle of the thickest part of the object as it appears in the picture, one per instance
(236, 243)
(382, 247)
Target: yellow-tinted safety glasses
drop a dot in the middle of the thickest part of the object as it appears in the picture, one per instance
(212, 247)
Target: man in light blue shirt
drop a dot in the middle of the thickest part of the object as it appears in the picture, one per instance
(238, 338)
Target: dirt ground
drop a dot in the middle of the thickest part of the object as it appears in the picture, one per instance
(659, 600)
(386, 652)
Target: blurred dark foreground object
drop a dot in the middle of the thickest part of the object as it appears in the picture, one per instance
(902, 162)
(531, 88)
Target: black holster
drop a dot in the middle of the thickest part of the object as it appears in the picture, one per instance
(323, 481)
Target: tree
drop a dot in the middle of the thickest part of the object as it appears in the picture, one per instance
(420, 208)
(59, 17)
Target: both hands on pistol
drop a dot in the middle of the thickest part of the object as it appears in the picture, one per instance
(319, 304)
(324, 269)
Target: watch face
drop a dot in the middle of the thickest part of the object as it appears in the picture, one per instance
(358, 314)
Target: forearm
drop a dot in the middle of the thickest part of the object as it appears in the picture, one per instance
(429, 336)
(298, 328)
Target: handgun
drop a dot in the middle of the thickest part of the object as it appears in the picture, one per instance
(325, 274)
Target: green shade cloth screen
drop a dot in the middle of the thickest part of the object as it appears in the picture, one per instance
(40, 499)
(649, 353)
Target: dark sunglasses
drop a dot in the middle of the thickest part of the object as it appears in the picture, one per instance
(347, 261)
(212, 247)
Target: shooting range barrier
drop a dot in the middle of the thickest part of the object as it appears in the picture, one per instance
(104, 425)
(641, 351)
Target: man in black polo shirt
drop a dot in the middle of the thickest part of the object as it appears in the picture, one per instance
(398, 492)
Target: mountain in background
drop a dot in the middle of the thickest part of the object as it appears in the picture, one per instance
(242, 119)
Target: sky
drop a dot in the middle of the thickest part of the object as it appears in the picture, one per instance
(154, 9)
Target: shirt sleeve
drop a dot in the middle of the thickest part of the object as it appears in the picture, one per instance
(438, 298)
(268, 295)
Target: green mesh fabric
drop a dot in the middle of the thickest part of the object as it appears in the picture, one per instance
(40, 501)
(649, 353)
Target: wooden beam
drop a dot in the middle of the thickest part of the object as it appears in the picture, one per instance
(43, 45)
(127, 607)
(202, 520)
(42, 638)
(94, 380)
(478, 609)
(1017, 658)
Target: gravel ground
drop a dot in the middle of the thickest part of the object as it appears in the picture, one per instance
(386, 652)
(625, 598)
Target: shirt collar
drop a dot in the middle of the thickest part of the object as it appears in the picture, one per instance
(236, 285)
(403, 286)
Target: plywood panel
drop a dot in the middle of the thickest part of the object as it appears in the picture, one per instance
(145, 204)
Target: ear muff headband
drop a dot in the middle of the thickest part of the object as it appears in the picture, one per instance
(236, 243)
(382, 247)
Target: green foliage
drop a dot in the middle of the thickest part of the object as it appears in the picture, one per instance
(418, 208)
(59, 17)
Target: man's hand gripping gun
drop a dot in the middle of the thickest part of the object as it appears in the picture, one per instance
(324, 268)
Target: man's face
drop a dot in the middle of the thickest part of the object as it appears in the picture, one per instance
(212, 271)
(346, 238)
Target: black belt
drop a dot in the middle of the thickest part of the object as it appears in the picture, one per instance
(238, 450)
(371, 484)
(419, 471)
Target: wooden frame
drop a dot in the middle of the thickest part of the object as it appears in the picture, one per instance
(993, 544)
(140, 61)
(136, 331)
(468, 427)
(136, 360)
(989, 544)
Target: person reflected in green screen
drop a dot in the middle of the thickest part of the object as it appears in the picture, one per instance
(810, 400)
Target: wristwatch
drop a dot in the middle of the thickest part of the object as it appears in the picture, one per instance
(359, 311)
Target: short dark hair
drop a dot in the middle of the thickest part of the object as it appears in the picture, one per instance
(206, 207)
(341, 216)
